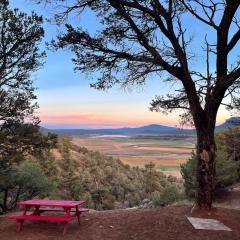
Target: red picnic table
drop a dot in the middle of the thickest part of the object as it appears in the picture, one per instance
(36, 207)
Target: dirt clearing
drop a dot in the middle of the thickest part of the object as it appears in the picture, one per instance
(168, 223)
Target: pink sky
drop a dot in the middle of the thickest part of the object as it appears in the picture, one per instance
(66, 100)
(112, 120)
(77, 108)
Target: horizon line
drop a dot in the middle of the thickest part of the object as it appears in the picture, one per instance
(113, 126)
(108, 127)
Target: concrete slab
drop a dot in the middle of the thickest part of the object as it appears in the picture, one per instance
(208, 224)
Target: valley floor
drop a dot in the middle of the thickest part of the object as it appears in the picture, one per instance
(168, 223)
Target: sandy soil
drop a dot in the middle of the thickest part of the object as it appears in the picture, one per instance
(168, 223)
(142, 160)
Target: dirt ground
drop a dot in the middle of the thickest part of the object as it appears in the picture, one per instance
(168, 223)
(230, 198)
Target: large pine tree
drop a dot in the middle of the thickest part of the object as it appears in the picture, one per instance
(140, 40)
(20, 35)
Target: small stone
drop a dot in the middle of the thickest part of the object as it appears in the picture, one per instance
(144, 201)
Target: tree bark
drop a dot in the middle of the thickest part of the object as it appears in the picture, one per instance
(206, 168)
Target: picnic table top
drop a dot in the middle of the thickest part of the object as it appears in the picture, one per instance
(51, 203)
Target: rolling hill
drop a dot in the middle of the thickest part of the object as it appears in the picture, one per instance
(148, 129)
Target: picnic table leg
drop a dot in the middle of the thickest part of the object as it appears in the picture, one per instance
(78, 214)
(36, 211)
(67, 210)
(19, 225)
(65, 228)
(26, 208)
(21, 221)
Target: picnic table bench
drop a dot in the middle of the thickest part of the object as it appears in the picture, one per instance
(37, 207)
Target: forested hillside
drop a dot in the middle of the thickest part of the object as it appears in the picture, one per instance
(55, 168)
(36, 165)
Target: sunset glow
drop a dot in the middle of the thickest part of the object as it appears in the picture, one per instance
(67, 101)
(113, 120)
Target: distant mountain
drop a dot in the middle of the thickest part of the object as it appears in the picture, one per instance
(149, 129)
(229, 123)
(45, 130)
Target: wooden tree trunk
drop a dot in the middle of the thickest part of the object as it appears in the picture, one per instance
(206, 168)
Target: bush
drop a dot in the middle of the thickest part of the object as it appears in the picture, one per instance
(167, 196)
(32, 181)
(188, 172)
(226, 172)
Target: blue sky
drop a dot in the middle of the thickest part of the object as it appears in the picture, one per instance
(67, 101)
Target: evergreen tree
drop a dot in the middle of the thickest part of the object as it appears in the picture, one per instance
(68, 180)
(151, 180)
(137, 41)
(20, 35)
(18, 141)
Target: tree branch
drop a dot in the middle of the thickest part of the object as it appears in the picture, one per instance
(233, 41)
(175, 71)
(210, 21)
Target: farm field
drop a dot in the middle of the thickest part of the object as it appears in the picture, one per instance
(167, 153)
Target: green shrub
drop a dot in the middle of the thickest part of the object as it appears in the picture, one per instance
(167, 196)
(188, 172)
(32, 182)
(226, 172)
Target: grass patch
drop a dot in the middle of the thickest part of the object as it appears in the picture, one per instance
(169, 168)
